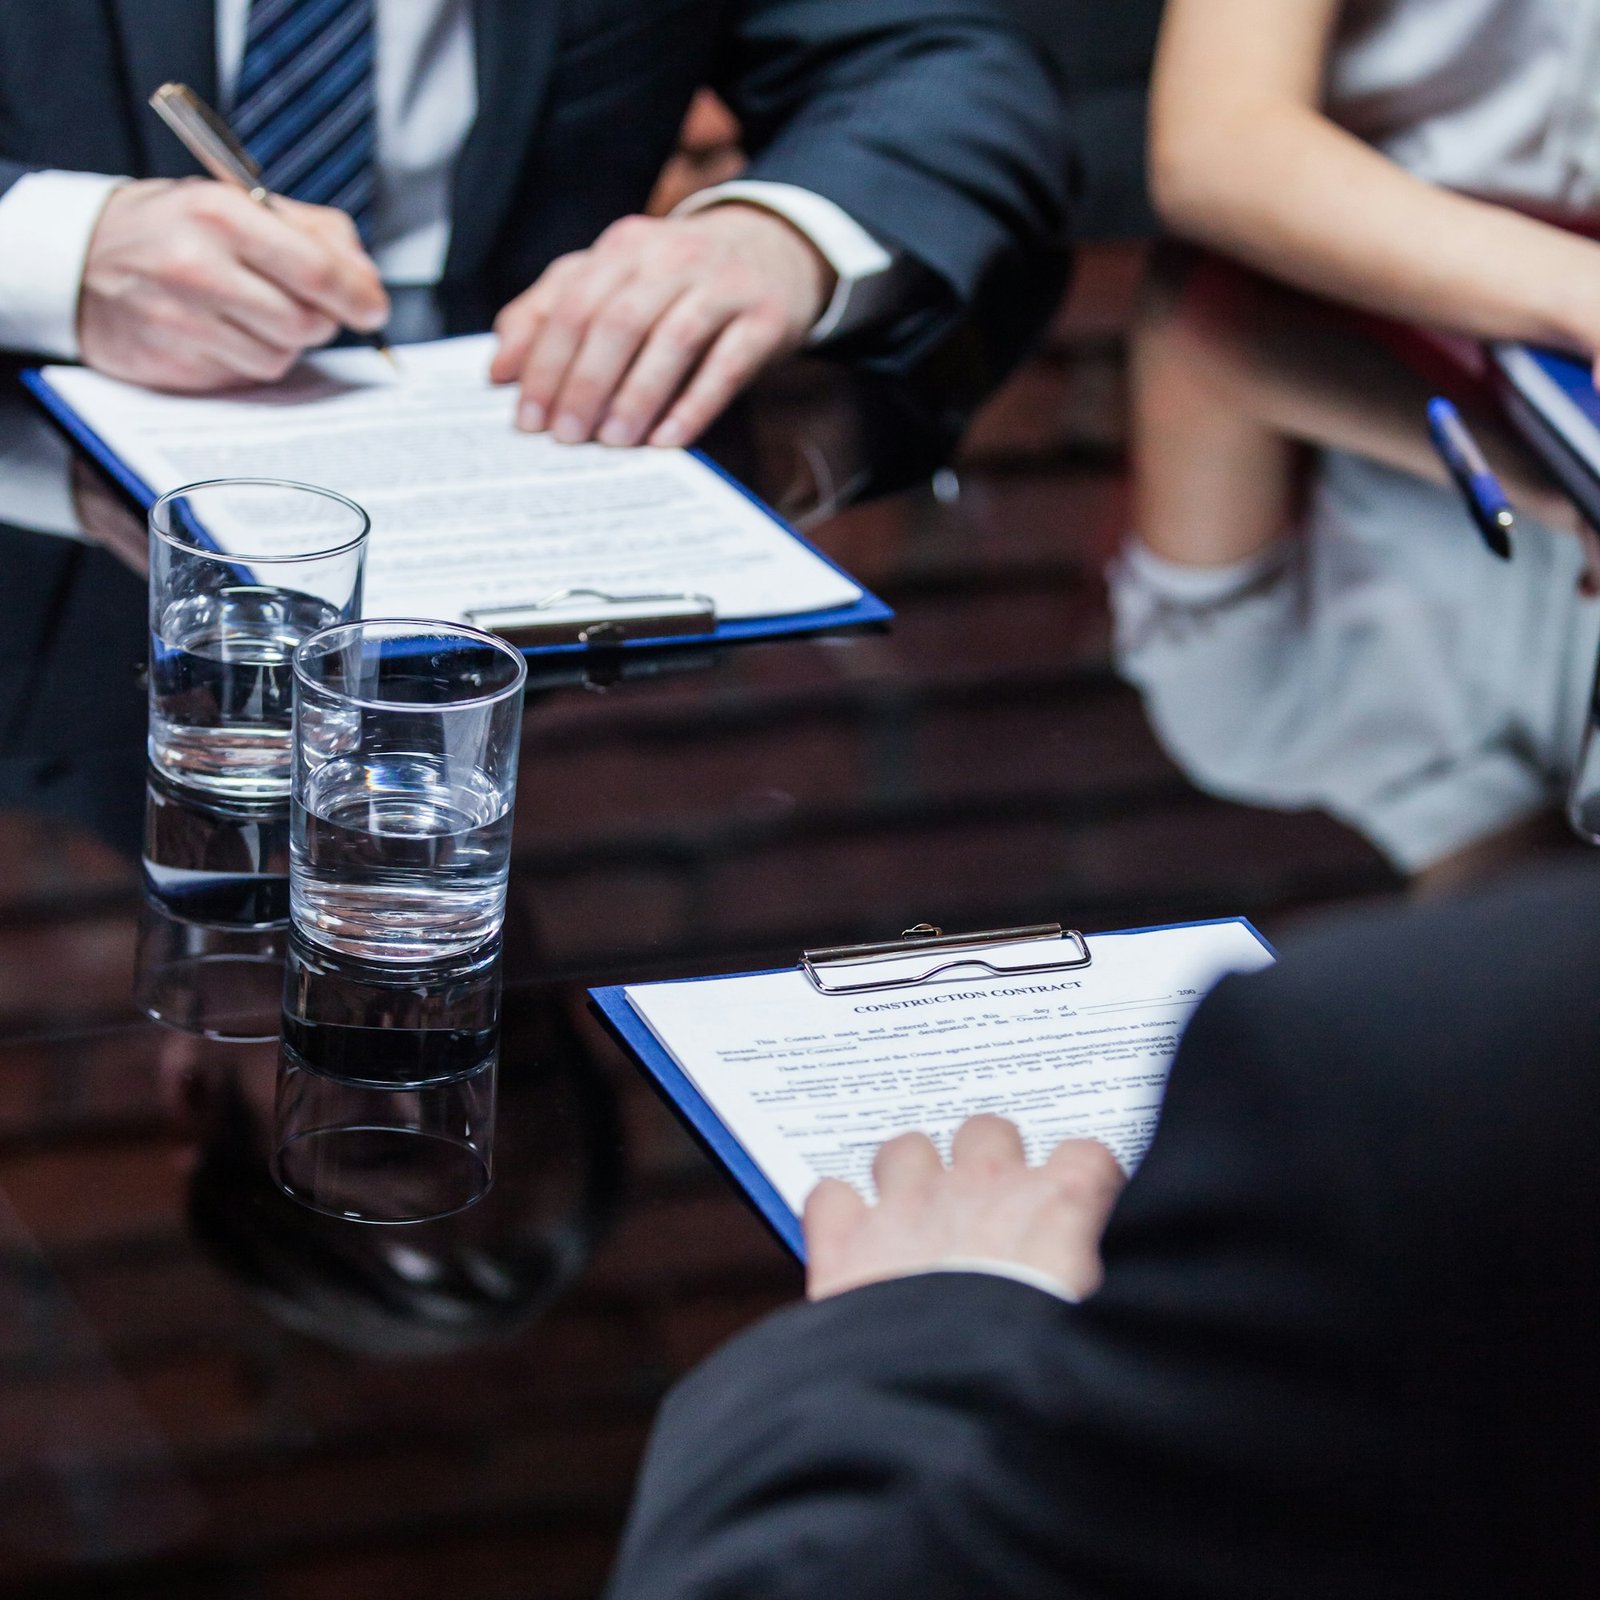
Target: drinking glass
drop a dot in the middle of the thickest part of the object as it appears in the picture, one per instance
(241, 570)
(405, 767)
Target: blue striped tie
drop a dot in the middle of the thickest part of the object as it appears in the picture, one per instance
(304, 105)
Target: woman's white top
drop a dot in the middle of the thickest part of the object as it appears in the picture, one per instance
(1500, 97)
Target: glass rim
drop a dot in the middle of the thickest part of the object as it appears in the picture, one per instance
(178, 542)
(422, 625)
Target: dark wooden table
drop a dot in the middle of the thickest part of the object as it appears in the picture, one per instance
(208, 1391)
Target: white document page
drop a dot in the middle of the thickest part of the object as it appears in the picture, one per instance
(467, 513)
(811, 1084)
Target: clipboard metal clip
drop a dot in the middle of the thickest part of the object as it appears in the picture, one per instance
(925, 953)
(595, 618)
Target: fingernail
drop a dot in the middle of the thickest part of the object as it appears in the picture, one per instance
(530, 416)
(669, 436)
(570, 429)
(617, 432)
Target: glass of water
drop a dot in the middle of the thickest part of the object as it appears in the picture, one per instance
(241, 570)
(405, 772)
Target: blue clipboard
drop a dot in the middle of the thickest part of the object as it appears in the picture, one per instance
(868, 611)
(695, 1111)
(1551, 399)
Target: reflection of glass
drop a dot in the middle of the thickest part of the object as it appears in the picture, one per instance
(405, 770)
(225, 861)
(214, 924)
(240, 572)
(387, 1085)
(434, 1287)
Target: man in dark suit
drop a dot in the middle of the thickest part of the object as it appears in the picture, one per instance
(1344, 1345)
(908, 156)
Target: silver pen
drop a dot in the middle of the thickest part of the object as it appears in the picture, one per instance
(214, 145)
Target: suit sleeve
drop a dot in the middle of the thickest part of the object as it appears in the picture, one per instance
(952, 1436)
(12, 173)
(938, 126)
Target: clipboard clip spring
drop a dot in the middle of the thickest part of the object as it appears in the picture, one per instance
(849, 968)
(594, 618)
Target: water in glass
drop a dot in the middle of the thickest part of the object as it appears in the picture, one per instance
(222, 691)
(400, 857)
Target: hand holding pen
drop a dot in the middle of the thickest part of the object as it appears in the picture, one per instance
(194, 286)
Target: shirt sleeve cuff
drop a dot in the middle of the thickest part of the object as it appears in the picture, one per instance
(47, 220)
(866, 271)
(1015, 1270)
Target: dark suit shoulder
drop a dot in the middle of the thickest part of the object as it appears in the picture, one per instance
(1421, 1012)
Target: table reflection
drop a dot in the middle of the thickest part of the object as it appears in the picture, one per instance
(214, 920)
(387, 1085)
(1307, 610)
(212, 1383)
(322, 1254)
(347, 1117)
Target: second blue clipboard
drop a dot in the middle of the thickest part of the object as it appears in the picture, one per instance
(696, 1112)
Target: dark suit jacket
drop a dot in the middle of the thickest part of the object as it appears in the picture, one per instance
(935, 123)
(1347, 1344)
(72, 698)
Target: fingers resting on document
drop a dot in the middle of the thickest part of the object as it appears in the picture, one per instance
(648, 336)
(986, 1206)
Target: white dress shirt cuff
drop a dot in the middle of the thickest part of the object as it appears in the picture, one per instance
(1015, 1270)
(46, 222)
(865, 269)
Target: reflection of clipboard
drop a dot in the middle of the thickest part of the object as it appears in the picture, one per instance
(923, 957)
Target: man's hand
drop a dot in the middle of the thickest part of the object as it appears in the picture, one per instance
(193, 286)
(650, 334)
(988, 1205)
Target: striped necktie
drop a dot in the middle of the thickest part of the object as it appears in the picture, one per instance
(304, 105)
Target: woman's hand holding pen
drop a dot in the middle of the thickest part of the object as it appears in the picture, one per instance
(192, 286)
